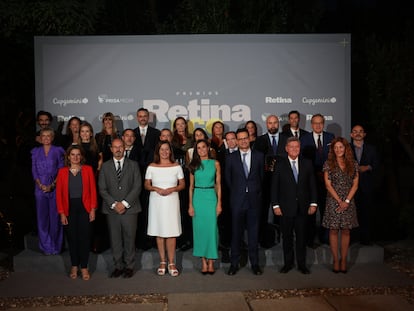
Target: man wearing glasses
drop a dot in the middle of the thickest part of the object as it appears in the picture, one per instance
(244, 171)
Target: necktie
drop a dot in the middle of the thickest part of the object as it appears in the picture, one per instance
(118, 169)
(127, 153)
(245, 167)
(274, 145)
(142, 136)
(296, 133)
(319, 144)
(295, 171)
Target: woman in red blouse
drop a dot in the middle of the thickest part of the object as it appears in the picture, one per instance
(76, 203)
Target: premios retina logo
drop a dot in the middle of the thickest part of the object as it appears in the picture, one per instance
(69, 101)
(314, 101)
(105, 99)
(278, 100)
(197, 110)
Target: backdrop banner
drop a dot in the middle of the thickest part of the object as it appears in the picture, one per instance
(233, 78)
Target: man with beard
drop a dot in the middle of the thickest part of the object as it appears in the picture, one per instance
(272, 145)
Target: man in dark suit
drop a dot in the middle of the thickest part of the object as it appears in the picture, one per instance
(120, 185)
(147, 138)
(131, 151)
(224, 220)
(294, 197)
(293, 127)
(315, 146)
(272, 145)
(244, 177)
(368, 161)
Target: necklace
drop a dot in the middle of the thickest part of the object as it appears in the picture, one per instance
(74, 171)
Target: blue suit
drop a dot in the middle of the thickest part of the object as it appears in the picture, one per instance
(245, 202)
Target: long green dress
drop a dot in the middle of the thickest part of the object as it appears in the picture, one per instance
(205, 230)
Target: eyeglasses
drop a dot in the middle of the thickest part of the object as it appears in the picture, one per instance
(243, 138)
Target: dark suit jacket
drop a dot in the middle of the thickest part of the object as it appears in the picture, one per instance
(264, 145)
(237, 181)
(309, 149)
(293, 198)
(369, 157)
(134, 154)
(146, 151)
(302, 133)
(127, 188)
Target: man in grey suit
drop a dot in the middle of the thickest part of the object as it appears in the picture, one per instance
(120, 185)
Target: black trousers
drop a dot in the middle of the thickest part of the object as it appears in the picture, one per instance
(78, 232)
(294, 227)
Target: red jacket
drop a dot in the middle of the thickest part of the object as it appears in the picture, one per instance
(89, 198)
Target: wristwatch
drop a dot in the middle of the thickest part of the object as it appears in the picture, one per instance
(347, 201)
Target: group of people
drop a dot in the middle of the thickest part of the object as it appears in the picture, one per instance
(205, 191)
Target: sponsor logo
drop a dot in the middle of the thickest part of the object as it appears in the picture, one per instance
(198, 111)
(314, 101)
(104, 99)
(327, 118)
(278, 100)
(127, 117)
(69, 101)
(197, 93)
(67, 118)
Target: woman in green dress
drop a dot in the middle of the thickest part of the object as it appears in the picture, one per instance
(205, 204)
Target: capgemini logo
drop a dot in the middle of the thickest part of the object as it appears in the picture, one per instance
(314, 101)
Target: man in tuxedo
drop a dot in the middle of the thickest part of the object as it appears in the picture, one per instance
(244, 177)
(368, 161)
(131, 151)
(294, 197)
(272, 145)
(293, 128)
(147, 138)
(315, 146)
(120, 185)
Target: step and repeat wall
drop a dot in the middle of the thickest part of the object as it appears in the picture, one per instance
(204, 78)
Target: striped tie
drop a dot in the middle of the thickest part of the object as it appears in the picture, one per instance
(118, 170)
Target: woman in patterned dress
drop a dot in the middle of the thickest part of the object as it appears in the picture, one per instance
(341, 181)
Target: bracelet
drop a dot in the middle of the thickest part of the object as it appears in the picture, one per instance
(347, 201)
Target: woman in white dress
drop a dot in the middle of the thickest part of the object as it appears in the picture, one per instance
(164, 178)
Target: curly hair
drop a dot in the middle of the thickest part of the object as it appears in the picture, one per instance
(348, 156)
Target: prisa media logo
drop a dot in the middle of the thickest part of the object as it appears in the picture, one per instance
(104, 99)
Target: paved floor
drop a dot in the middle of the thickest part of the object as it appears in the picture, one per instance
(193, 291)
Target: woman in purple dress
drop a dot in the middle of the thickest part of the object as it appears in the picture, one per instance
(46, 161)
